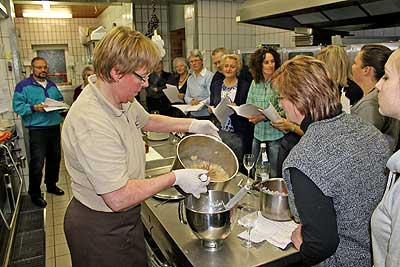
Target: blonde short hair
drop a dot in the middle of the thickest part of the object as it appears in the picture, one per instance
(306, 83)
(234, 57)
(337, 62)
(126, 50)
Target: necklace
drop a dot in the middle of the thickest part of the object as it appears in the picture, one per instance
(184, 79)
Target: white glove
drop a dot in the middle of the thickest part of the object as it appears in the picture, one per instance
(189, 181)
(204, 127)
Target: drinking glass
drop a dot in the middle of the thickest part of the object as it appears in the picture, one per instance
(175, 139)
(248, 218)
(248, 162)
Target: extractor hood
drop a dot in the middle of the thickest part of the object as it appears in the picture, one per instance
(3, 11)
(329, 16)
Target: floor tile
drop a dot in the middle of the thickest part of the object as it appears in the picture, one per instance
(64, 261)
(61, 249)
(51, 262)
(60, 239)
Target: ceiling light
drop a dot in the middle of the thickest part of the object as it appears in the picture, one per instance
(46, 5)
(46, 14)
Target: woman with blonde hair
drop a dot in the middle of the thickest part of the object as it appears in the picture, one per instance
(338, 65)
(329, 170)
(105, 155)
(236, 131)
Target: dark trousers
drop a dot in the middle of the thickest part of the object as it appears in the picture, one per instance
(44, 145)
(105, 239)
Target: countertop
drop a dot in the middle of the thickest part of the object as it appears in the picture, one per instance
(182, 248)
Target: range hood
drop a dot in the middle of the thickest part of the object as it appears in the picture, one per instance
(328, 16)
(3, 11)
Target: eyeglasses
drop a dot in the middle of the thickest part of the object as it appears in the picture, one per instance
(140, 77)
(40, 67)
(194, 61)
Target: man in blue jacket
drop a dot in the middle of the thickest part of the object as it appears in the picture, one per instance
(44, 129)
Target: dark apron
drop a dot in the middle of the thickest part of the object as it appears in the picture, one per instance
(104, 238)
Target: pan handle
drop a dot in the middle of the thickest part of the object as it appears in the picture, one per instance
(181, 215)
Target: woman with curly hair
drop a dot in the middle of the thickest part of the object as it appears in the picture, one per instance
(263, 64)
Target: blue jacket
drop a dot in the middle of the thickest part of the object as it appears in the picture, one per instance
(29, 92)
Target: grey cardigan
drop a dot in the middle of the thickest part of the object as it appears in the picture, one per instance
(345, 157)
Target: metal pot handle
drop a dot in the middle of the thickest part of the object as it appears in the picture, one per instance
(181, 215)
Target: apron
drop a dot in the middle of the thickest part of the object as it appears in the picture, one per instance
(104, 238)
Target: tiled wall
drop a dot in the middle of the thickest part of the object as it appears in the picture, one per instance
(142, 16)
(217, 27)
(9, 72)
(35, 31)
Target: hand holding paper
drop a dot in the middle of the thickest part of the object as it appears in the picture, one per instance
(246, 110)
(51, 105)
(271, 113)
(172, 94)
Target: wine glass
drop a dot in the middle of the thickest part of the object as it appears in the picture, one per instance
(175, 139)
(248, 218)
(248, 162)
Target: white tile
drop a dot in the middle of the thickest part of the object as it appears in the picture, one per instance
(206, 41)
(228, 25)
(221, 26)
(228, 10)
(206, 25)
(228, 42)
(213, 41)
(205, 8)
(221, 41)
(213, 9)
(213, 26)
(220, 9)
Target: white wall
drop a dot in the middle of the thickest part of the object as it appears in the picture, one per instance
(121, 15)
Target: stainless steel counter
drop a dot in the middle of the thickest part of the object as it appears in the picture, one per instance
(182, 248)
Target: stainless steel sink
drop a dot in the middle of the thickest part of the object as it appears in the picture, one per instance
(159, 166)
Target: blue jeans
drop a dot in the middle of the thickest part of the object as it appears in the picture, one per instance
(273, 148)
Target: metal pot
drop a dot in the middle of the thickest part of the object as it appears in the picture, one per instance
(206, 148)
(209, 220)
(274, 203)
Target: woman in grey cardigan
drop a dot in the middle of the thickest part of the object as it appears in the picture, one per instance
(334, 174)
(385, 224)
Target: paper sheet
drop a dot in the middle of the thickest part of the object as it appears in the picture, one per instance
(54, 105)
(246, 110)
(222, 111)
(172, 94)
(188, 108)
(276, 233)
(5, 100)
(271, 113)
(153, 155)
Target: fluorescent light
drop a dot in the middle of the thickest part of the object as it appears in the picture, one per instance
(46, 14)
(46, 5)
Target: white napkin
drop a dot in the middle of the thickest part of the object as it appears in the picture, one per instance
(276, 233)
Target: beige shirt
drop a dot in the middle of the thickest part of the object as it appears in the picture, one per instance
(103, 146)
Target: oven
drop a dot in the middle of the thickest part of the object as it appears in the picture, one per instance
(11, 183)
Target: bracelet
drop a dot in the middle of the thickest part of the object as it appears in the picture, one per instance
(293, 127)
